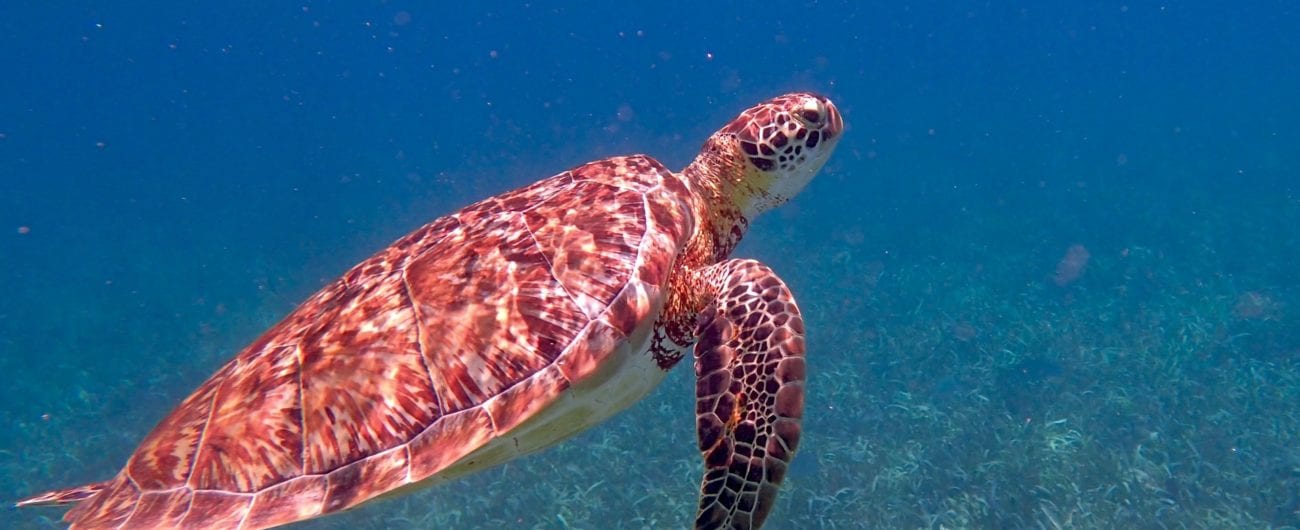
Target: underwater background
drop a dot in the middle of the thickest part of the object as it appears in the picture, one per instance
(1051, 276)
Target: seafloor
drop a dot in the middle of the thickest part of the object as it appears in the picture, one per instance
(960, 375)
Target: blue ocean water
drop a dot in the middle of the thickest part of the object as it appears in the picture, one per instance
(1049, 275)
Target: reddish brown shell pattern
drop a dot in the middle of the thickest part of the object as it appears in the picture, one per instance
(415, 358)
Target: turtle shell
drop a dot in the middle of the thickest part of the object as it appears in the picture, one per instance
(397, 373)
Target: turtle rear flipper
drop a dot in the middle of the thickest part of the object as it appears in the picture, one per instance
(749, 367)
(62, 496)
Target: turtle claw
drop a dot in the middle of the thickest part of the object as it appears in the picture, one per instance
(749, 367)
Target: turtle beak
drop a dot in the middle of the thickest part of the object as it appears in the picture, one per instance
(835, 123)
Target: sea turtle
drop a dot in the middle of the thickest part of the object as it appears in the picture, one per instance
(502, 329)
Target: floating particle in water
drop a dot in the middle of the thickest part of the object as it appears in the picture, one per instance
(1072, 265)
(1027, 385)
(963, 331)
(1254, 305)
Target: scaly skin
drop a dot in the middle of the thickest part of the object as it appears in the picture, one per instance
(730, 189)
(750, 351)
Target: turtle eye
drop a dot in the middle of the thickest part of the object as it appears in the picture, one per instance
(812, 111)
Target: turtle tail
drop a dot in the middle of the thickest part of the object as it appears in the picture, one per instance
(63, 496)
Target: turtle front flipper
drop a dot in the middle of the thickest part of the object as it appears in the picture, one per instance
(749, 392)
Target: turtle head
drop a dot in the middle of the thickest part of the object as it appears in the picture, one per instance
(771, 151)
